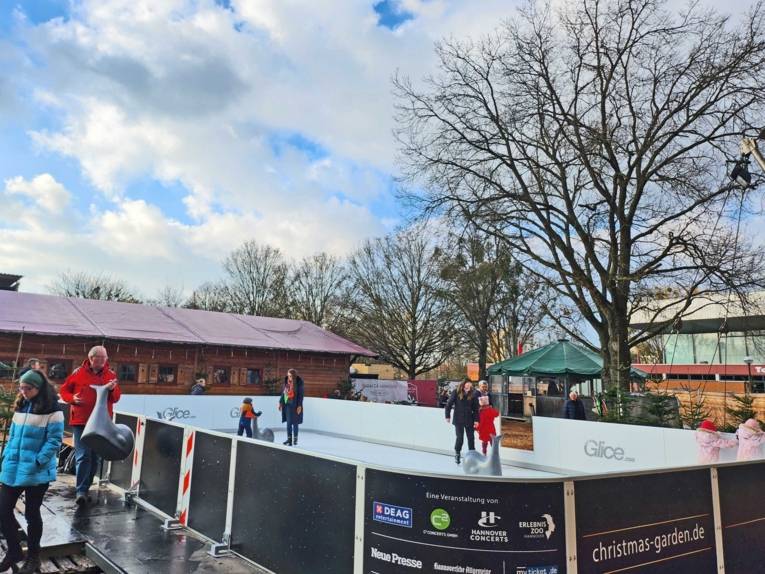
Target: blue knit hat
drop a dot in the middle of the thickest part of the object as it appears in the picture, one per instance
(32, 378)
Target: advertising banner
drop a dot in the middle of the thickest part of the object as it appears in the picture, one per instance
(382, 390)
(661, 523)
(436, 525)
(424, 392)
(742, 513)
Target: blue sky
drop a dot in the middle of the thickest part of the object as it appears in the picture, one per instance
(146, 139)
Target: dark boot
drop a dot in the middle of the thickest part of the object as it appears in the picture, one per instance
(288, 442)
(32, 563)
(294, 441)
(457, 458)
(9, 562)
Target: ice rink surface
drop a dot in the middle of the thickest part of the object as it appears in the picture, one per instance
(393, 457)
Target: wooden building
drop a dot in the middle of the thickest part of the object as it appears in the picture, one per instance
(160, 350)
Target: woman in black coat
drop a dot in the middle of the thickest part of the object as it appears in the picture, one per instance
(464, 401)
(291, 405)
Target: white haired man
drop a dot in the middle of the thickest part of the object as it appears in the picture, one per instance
(77, 391)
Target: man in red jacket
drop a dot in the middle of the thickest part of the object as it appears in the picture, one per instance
(77, 391)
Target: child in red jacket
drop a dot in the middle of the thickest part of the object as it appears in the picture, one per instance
(485, 424)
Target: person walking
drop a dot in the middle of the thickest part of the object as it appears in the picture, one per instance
(710, 442)
(750, 437)
(77, 391)
(574, 408)
(29, 466)
(464, 402)
(291, 405)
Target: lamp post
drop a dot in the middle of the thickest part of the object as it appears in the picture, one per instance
(749, 361)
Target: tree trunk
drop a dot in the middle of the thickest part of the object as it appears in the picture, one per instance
(616, 353)
(482, 354)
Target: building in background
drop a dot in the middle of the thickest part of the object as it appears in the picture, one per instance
(162, 350)
(9, 282)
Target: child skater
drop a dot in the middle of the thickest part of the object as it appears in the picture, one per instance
(710, 442)
(246, 414)
(750, 437)
(485, 424)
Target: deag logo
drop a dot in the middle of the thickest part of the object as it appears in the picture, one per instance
(175, 414)
(599, 449)
(392, 514)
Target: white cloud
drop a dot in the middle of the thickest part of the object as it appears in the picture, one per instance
(46, 193)
(191, 93)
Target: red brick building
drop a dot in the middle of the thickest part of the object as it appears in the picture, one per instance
(161, 350)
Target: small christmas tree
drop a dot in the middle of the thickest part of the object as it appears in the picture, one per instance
(695, 410)
(742, 410)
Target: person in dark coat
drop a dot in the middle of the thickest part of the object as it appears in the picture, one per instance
(574, 408)
(291, 405)
(200, 387)
(464, 401)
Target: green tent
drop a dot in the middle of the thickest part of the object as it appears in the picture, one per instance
(559, 359)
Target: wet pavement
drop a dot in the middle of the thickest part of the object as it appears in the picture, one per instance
(132, 538)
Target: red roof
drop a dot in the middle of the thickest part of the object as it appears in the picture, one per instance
(51, 315)
(696, 369)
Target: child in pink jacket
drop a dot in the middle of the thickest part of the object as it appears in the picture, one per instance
(750, 437)
(710, 443)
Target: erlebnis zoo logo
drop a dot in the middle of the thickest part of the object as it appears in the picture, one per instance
(599, 449)
(538, 528)
(174, 414)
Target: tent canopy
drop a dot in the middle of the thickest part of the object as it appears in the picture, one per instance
(561, 358)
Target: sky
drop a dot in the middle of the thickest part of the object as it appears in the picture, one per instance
(146, 139)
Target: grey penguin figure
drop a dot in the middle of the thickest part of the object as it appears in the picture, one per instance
(266, 435)
(478, 464)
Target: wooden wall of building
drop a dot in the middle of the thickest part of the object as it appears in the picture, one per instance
(247, 370)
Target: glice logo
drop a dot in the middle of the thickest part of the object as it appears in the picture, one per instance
(392, 514)
(174, 413)
(488, 519)
(599, 449)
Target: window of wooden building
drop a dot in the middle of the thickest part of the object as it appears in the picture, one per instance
(221, 376)
(166, 375)
(254, 377)
(127, 373)
(59, 369)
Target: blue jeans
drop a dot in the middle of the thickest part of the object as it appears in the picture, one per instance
(87, 462)
(245, 426)
(292, 421)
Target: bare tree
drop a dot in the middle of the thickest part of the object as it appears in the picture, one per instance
(256, 282)
(592, 141)
(93, 286)
(486, 286)
(528, 305)
(209, 297)
(397, 309)
(168, 296)
(317, 290)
